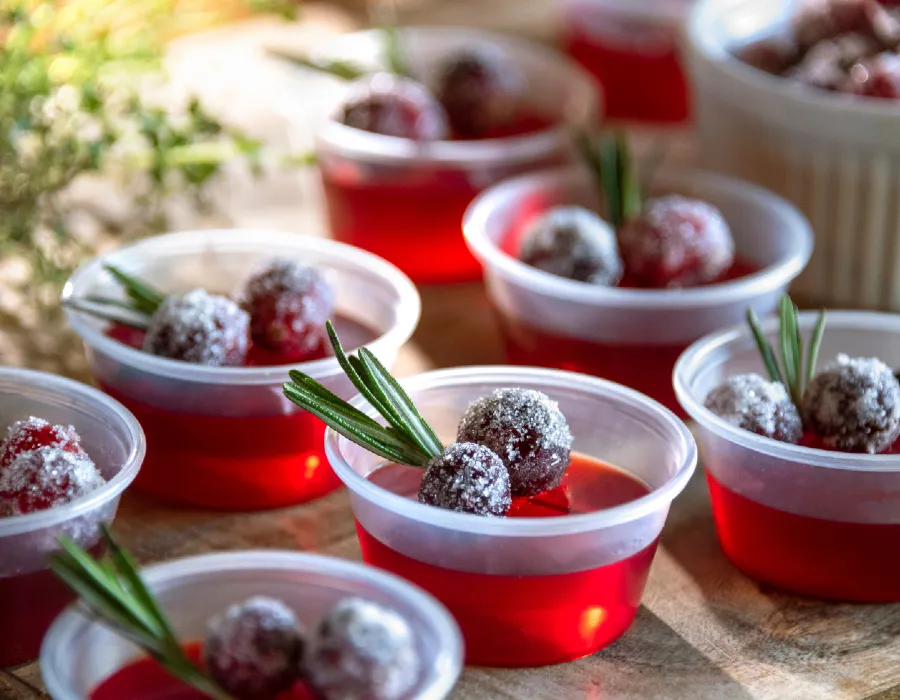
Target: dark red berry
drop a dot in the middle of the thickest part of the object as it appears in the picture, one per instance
(288, 305)
(393, 106)
(480, 90)
(676, 242)
(254, 650)
(575, 243)
(750, 402)
(45, 478)
(527, 431)
(362, 651)
(198, 327)
(27, 435)
(468, 478)
(854, 405)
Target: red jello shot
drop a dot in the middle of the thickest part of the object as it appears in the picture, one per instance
(224, 437)
(83, 660)
(30, 595)
(811, 521)
(563, 575)
(628, 335)
(404, 199)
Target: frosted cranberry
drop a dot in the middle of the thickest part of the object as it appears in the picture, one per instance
(575, 243)
(527, 431)
(878, 77)
(854, 405)
(362, 651)
(828, 20)
(45, 478)
(676, 242)
(752, 403)
(254, 650)
(467, 478)
(393, 106)
(479, 89)
(198, 327)
(27, 435)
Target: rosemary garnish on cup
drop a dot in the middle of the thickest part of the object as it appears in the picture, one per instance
(141, 302)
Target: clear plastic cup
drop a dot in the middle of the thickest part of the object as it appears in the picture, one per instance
(404, 200)
(78, 653)
(30, 595)
(631, 336)
(812, 521)
(226, 437)
(527, 591)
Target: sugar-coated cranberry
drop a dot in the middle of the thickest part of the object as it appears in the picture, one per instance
(27, 435)
(480, 89)
(527, 431)
(753, 403)
(854, 405)
(575, 243)
(877, 77)
(254, 650)
(288, 303)
(198, 327)
(45, 478)
(832, 19)
(362, 651)
(468, 478)
(676, 242)
(393, 106)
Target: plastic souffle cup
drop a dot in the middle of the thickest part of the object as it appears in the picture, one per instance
(404, 200)
(226, 437)
(837, 157)
(630, 336)
(811, 521)
(30, 595)
(78, 654)
(526, 591)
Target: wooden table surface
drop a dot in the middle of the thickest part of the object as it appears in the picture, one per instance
(704, 631)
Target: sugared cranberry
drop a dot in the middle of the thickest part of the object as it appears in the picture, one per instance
(198, 327)
(676, 242)
(45, 478)
(27, 435)
(254, 650)
(393, 106)
(362, 651)
(288, 305)
(529, 433)
(479, 89)
(878, 77)
(575, 243)
(752, 403)
(467, 478)
(828, 20)
(854, 405)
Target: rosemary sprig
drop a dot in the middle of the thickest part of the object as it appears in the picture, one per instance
(144, 298)
(114, 594)
(407, 439)
(337, 69)
(789, 370)
(611, 162)
(142, 301)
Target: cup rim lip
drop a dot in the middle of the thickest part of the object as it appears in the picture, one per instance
(689, 362)
(408, 312)
(93, 402)
(448, 663)
(769, 278)
(334, 137)
(646, 10)
(516, 527)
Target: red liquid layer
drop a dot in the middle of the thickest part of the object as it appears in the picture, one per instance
(823, 558)
(147, 680)
(514, 621)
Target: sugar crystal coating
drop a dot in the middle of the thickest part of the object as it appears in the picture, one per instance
(529, 433)
(46, 478)
(467, 478)
(254, 650)
(753, 403)
(201, 328)
(27, 435)
(362, 651)
(575, 243)
(854, 405)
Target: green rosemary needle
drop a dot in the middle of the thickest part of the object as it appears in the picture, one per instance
(140, 303)
(611, 163)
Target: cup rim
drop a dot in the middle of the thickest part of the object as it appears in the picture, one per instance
(408, 309)
(93, 402)
(517, 527)
(763, 281)
(447, 665)
(645, 10)
(691, 361)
